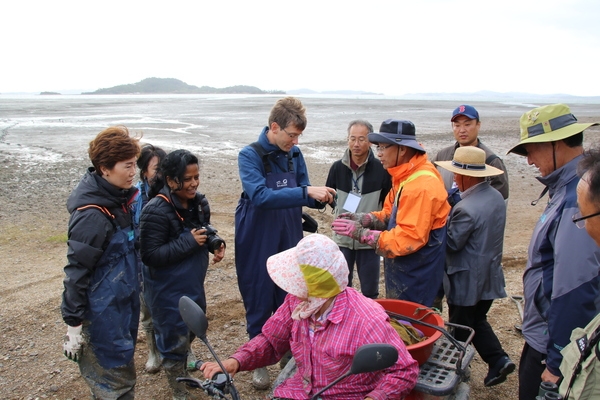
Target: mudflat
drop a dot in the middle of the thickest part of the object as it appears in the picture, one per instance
(36, 177)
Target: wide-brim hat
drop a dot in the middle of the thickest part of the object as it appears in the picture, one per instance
(398, 132)
(314, 268)
(469, 161)
(547, 124)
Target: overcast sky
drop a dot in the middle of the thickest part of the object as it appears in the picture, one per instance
(390, 47)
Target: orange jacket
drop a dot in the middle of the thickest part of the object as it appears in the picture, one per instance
(423, 206)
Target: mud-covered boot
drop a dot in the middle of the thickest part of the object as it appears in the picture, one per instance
(285, 359)
(154, 359)
(191, 361)
(173, 370)
(261, 379)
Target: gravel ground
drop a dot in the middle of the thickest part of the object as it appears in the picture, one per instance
(33, 222)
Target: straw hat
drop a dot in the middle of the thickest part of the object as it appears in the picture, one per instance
(547, 124)
(469, 161)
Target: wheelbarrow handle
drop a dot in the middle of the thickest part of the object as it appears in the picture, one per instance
(461, 349)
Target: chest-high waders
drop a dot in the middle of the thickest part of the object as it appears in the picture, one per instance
(112, 317)
(260, 233)
(163, 287)
(418, 276)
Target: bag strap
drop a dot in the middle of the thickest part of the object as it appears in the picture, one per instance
(586, 348)
(102, 209)
(165, 198)
(412, 178)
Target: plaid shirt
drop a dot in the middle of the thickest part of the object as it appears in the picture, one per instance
(353, 321)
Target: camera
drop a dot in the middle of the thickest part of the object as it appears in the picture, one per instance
(213, 241)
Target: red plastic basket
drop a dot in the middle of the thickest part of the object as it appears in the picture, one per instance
(422, 350)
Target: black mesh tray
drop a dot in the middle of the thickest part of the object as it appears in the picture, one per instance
(439, 376)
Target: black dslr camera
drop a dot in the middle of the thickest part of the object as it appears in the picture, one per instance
(213, 241)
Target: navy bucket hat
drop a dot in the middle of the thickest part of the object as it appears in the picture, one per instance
(397, 132)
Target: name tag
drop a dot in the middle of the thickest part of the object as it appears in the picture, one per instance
(352, 202)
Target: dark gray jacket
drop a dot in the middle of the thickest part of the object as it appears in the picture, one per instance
(499, 182)
(474, 247)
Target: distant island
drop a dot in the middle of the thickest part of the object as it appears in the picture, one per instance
(305, 91)
(175, 86)
(48, 93)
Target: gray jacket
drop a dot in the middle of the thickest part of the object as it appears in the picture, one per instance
(499, 182)
(474, 248)
(371, 180)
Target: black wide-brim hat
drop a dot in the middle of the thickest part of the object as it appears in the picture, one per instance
(397, 132)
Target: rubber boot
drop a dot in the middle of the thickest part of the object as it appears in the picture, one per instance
(260, 379)
(285, 359)
(191, 361)
(154, 359)
(173, 370)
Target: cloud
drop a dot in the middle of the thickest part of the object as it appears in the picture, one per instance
(380, 46)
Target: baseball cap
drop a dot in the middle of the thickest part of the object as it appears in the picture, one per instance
(466, 110)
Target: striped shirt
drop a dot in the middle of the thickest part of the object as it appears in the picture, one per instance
(353, 321)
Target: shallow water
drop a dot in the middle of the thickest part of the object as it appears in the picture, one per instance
(53, 127)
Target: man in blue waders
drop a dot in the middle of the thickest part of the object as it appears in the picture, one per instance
(268, 218)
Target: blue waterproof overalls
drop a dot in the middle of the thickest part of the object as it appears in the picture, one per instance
(416, 277)
(259, 234)
(163, 287)
(111, 319)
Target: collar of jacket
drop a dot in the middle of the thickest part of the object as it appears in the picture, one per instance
(403, 171)
(561, 177)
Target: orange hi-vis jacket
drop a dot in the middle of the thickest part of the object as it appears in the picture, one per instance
(422, 207)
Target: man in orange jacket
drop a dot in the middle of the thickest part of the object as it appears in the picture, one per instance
(410, 231)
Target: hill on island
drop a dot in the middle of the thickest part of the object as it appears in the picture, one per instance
(175, 86)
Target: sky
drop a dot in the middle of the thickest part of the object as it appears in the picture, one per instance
(390, 47)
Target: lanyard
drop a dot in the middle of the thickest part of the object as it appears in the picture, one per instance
(355, 183)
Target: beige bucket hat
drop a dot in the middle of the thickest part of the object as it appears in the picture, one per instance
(470, 161)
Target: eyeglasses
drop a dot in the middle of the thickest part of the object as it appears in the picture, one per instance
(379, 148)
(360, 139)
(292, 135)
(579, 221)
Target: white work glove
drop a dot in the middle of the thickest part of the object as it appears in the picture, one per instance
(73, 342)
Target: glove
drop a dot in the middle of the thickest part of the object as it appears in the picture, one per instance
(345, 227)
(353, 229)
(73, 342)
(366, 220)
(348, 215)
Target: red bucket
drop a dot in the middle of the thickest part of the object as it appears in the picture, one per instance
(422, 350)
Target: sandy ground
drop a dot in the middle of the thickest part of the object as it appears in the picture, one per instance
(33, 222)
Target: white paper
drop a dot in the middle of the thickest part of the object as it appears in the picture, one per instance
(352, 202)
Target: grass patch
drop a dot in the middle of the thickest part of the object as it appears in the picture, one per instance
(62, 238)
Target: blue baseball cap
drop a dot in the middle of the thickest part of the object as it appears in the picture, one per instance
(466, 110)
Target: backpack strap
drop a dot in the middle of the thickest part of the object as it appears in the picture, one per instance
(412, 178)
